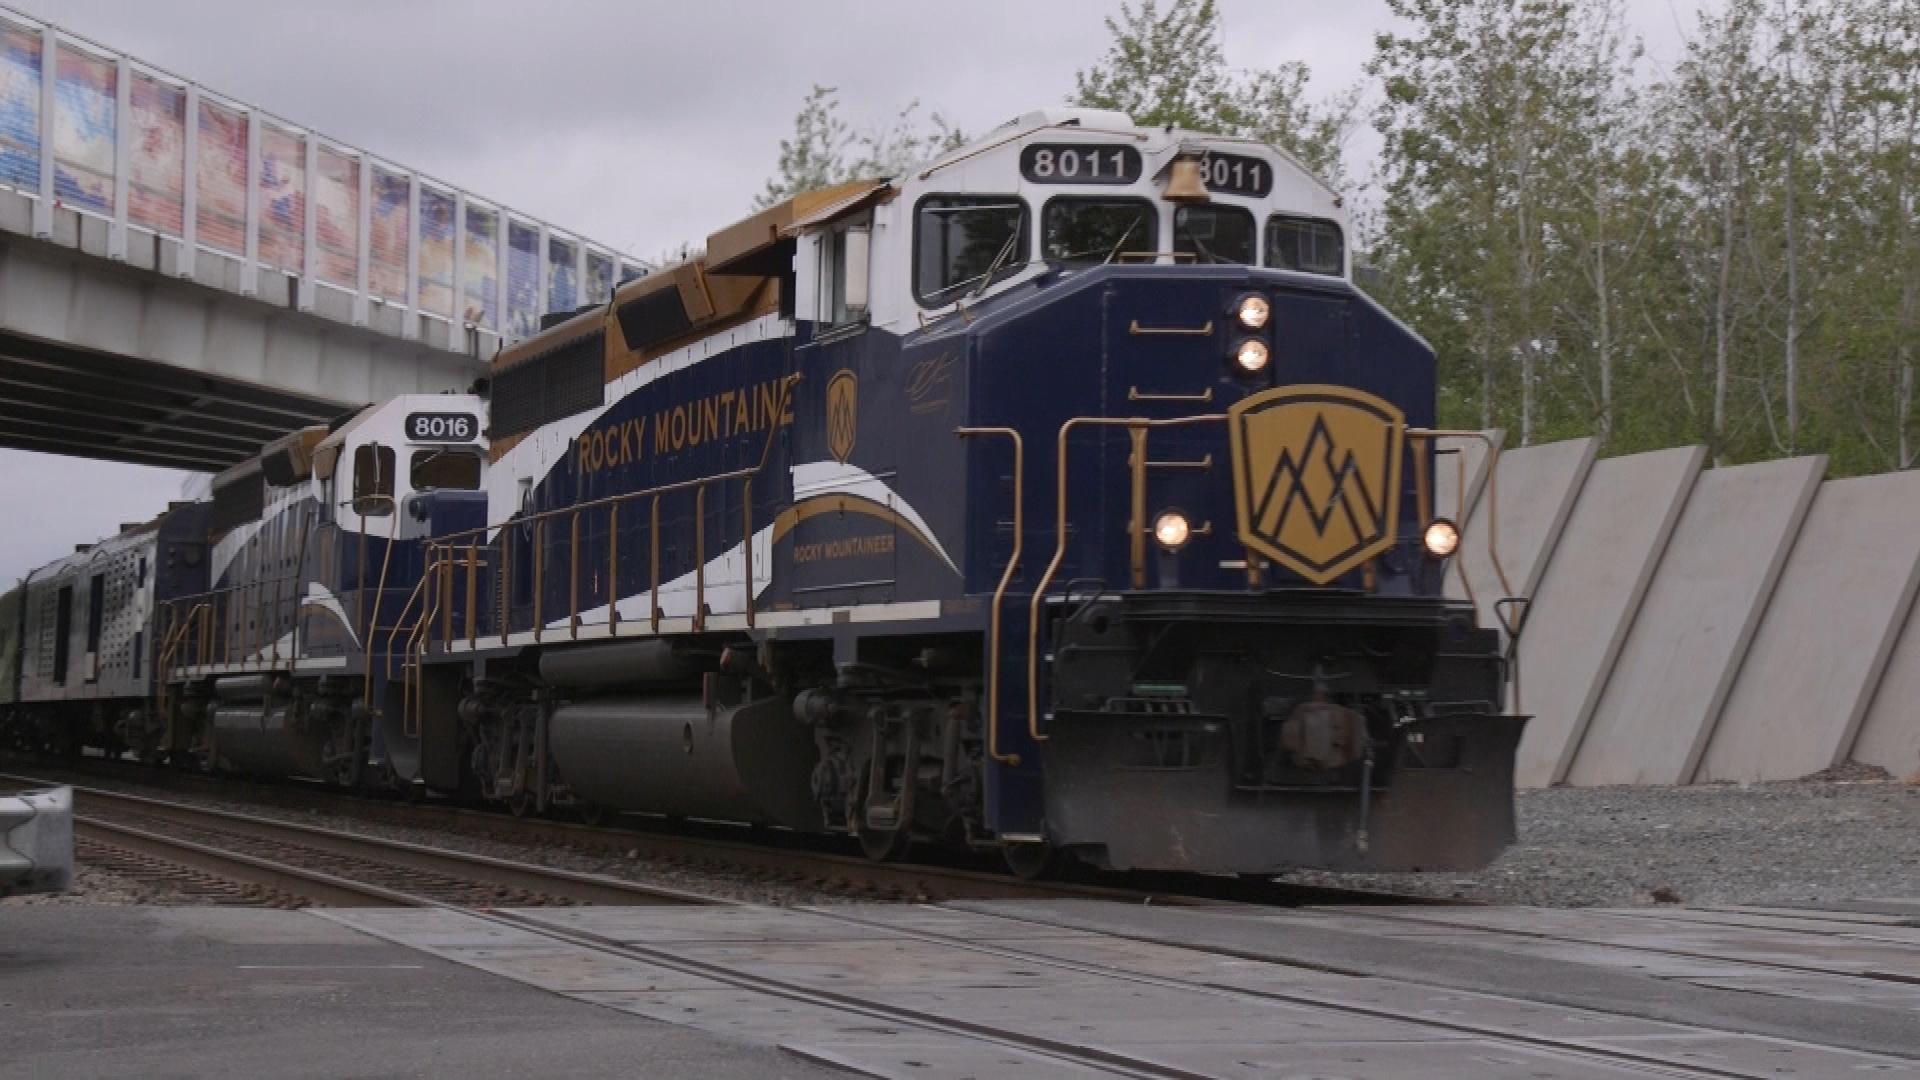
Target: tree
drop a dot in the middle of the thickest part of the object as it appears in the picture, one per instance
(1166, 67)
(825, 150)
(1486, 102)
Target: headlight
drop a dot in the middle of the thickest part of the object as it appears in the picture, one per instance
(1172, 530)
(1251, 356)
(1254, 311)
(1442, 538)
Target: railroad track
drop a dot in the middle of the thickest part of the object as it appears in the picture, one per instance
(289, 864)
(278, 863)
(790, 859)
(1049, 1044)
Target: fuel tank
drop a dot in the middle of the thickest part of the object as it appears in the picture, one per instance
(262, 739)
(668, 754)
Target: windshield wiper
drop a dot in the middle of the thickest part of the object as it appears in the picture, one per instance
(1124, 237)
(993, 268)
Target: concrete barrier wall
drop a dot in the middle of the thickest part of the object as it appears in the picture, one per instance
(1686, 642)
(1693, 625)
(1587, 597)
(1521, 510)
(1890, 734)
(1826, 635)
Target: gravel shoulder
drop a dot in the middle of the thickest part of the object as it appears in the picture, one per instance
(95, 886)
(1854, 833)
(1798, 842)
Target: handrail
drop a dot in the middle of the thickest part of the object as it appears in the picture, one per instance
(999, 593)
(164, 663)
(379, 591)
(410, 698)
(1460, 498)
(766, 451)
(440, 545)
(1137, 463)
(1518, 623)
(399, 621)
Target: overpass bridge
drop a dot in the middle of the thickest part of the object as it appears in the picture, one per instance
(184, 276)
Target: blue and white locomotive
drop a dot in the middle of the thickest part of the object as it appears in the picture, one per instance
(1062, 496)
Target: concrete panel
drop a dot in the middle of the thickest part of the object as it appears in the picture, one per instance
(1588, 596)
(1890, 733)
(1675, 670)
(1803, 689)
(1522, 509)
(1447, 500)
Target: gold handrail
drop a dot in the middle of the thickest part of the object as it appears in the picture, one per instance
(1460, 498)
(164, 663)
(999, 593)
(1514, 627)
(613, 569)
(399, 621)
(1137, 463)
(697, 485)
(422, 629)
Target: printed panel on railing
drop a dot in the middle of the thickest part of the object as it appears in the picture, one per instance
(482, 269)
(336, 196)
(411, 228)
(83, 136)
(19, 106)
(157, 173)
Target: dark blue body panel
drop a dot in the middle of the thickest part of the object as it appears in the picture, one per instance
(1108, 341)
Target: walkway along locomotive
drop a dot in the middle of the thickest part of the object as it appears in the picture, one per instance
(1062, 495)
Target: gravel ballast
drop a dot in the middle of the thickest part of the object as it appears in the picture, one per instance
(1793, 843)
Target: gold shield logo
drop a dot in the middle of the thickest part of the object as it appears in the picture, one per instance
(843, 410)
(1316, 477)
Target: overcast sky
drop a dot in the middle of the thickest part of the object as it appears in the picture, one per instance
(642, 123)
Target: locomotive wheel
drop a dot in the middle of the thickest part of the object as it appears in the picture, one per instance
(593, 814)
(1032, 862)
(884, 845)
(520, 805)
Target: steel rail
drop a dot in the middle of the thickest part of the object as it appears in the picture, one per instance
(1064, 1050)
(318, 887)
(416, 858)
(832, 871)
(1570, 1046)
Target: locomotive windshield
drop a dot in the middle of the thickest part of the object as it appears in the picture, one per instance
(1095, 230)
(1315, 247)
(445, 469)
(963, 241)
(1214, 234)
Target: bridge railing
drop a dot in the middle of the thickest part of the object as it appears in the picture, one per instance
(270, 208)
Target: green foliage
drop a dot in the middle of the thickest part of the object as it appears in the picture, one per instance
(1725, 252)
(1725, 255)
(825, 150)
(1166, 67)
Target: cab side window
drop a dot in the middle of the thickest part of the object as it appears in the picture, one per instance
(843, 272)
(373, 479)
